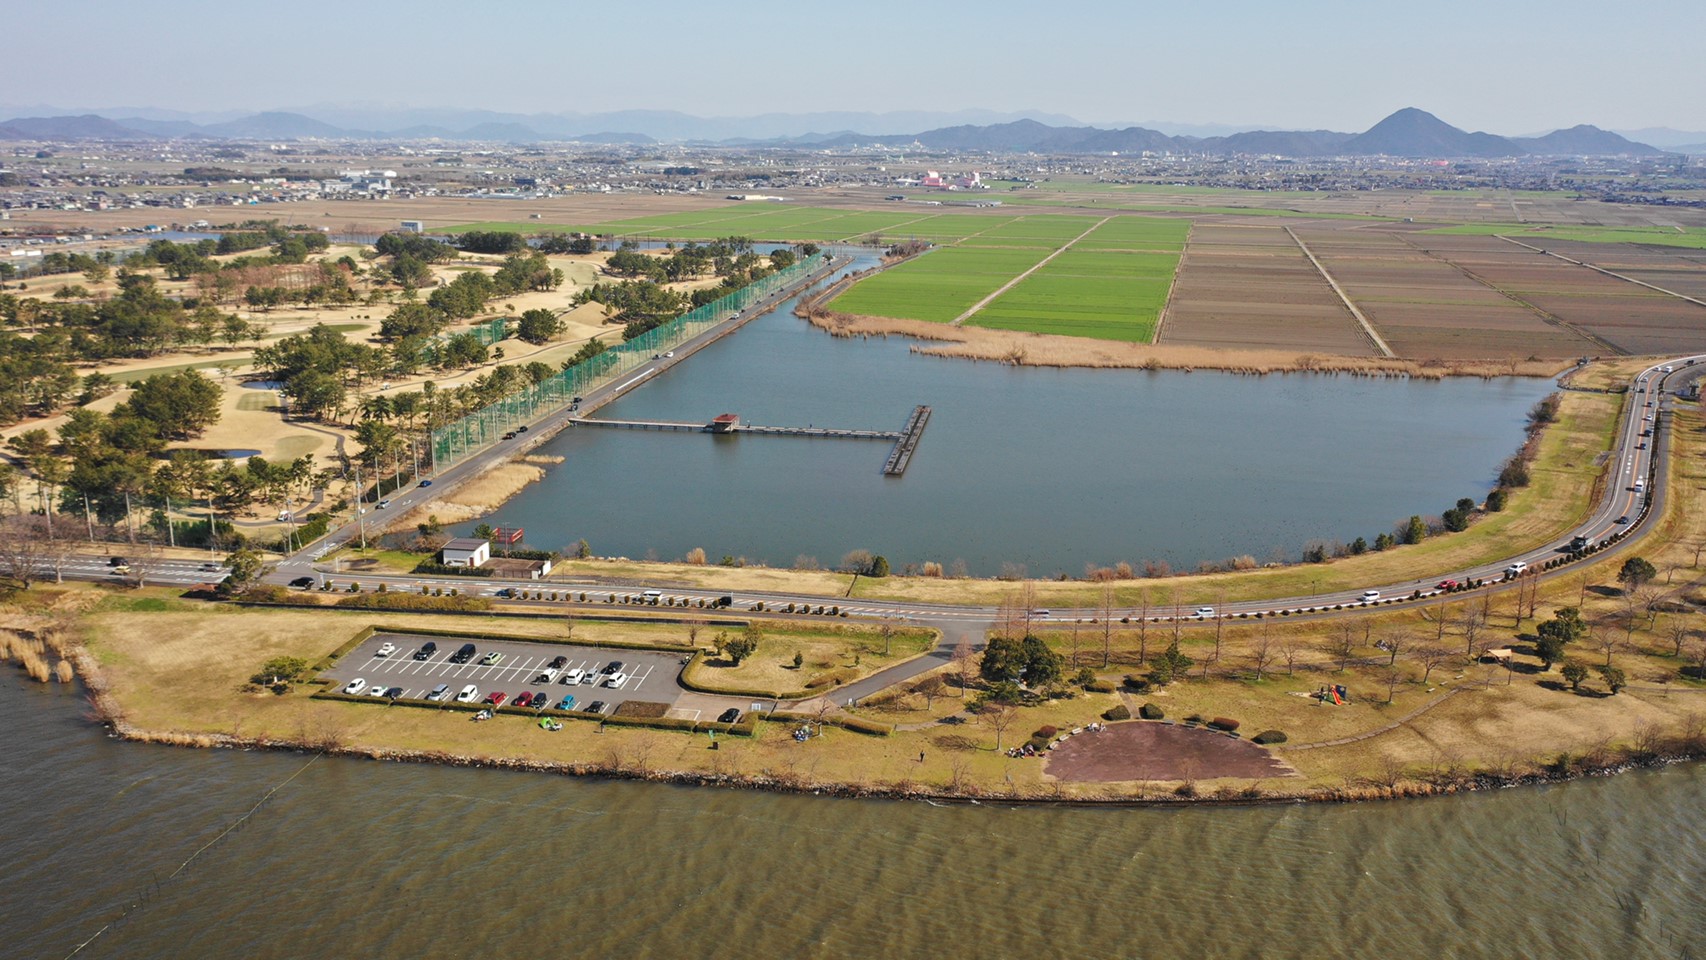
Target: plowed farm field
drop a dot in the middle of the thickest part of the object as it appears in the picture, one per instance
(1428, 308)
(1251, 286)
(1618, 315)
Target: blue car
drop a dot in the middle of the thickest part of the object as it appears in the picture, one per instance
(568, 703)
(425, 483)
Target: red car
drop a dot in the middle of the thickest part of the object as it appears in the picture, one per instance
(1448, 585)
(523, 699)
(495, 699)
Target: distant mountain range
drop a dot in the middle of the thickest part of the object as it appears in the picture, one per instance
(1407, 133)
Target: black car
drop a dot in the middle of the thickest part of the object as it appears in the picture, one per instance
(1623, 519)
(597, 706)
(559, 662)
(395, 693)
(614, 666)
(730, 715)
(426, 651)
(510, 435)
(521, 429)
(116, 561)
(463, 655)
(302, 582)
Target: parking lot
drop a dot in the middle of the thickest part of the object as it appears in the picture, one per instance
(648, 674)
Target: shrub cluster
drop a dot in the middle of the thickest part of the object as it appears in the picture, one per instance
(1150, 711)
(1268, 736)
(1120, 712)
(414, 601)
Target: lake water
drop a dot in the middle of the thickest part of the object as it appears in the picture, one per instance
(1045, 468)
(357, 858)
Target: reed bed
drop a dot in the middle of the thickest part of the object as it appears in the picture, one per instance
(1044, 350)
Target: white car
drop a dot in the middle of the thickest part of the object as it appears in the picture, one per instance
(377, 691)
(1204, 613)
(469, 694)
(385, 650)
(572, 677)
(1516, 568)
(1371, 596)
(616, 679)
(355, 686)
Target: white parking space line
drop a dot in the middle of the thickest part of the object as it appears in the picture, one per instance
(640, 678)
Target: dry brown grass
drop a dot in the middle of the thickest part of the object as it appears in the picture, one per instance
(1047, 350)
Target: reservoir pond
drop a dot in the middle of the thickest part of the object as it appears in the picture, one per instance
(1040, 469)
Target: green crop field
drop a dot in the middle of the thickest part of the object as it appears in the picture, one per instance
(940, 285)
(1138, 233)
(1086, 293)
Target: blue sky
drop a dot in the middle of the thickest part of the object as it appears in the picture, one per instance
(1507, 67)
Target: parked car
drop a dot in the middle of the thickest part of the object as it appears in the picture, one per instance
(465, 654)
(572, 677)
(395, 693)
(302, 583)
(385, 649)
(546, 675)
(495, 698)
(491, 659)
(426, 651)
(589, 677)
(541, 700)
(614, 666)
(355, 686)
(567, 703)
(558, 662)
(439, 692)
(616, 679)
(377, 690)
(731, 715)
(597, 706)
(523, 699)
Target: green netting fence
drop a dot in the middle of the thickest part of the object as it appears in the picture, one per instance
(455, 442)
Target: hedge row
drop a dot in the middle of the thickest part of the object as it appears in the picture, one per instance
(385, 600)
(489, 635)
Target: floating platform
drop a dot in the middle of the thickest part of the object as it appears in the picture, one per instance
(905, 440)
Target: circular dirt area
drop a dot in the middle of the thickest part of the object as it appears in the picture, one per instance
(1140, 750)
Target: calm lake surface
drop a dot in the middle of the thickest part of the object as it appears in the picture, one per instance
(364, 859)
(1050, 469)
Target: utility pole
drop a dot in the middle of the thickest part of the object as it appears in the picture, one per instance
(88, 518)
(360, 511)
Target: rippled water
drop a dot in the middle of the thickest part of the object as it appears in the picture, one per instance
(355, 858)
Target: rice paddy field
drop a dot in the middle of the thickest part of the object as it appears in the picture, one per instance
(1108, 278)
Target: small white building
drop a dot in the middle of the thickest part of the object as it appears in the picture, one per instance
(466, 552)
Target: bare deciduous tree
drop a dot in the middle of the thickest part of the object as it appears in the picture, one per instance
(1107, 624)
(1342, 644)
(962, 663)
(1262, 652)
(929, 688)
(1429, 656)
(998, 717)
(1679, 634)
(1290, 651)
(1470, 623)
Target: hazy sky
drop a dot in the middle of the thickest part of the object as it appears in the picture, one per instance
(1506, 66)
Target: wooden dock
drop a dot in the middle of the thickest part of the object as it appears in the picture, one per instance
(901, 455)
(905, 440)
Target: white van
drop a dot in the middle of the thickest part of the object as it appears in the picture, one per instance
(1371, 596)
(652, 596)
(1515, 568)
(469, 694)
